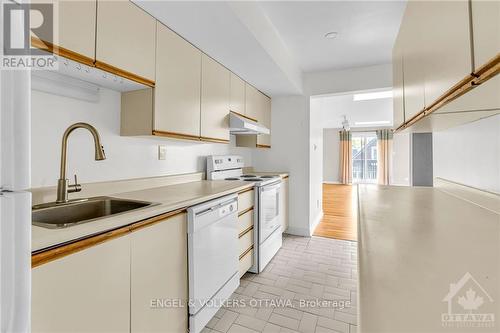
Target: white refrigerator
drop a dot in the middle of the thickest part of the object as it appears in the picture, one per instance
(15, 200)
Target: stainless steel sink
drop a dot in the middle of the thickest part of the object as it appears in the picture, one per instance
(83, 211)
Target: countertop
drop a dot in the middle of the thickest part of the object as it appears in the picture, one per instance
(413, 244)
(170, 198)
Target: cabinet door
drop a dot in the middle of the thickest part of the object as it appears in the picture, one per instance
(126, 38)
(397, 84)
(237, 99)
(447, 41)
(159, 272)
(215, 91)
(178, 81)
(264, 140)
(486, 29)
(252, 102)
(284, 205)
(413, 55)
(88, 291)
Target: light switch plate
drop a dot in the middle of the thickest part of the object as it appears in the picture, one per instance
(162, 152)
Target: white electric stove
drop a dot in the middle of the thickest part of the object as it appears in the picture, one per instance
(268, 233)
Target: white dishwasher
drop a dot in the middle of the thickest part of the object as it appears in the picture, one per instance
(213, 258)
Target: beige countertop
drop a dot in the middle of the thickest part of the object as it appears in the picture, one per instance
(169, 197)
(413, 244)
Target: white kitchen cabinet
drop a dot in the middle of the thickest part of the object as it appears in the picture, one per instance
(252, 102)
(264, 140)
(414, 51)
(178, 82)
(284, 204)
(486, 30)
(126, 40)
(237, 98)
(215, 94)
(159, 272)
(447, 59)
(397, 83)
(87, 291)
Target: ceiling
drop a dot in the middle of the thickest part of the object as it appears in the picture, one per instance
(271, 44)
(366, 31)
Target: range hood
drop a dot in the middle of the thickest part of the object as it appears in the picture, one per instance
(240, 125)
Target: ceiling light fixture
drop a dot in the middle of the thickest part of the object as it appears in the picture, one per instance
(372, 95)
(378, 122)
(331, 35)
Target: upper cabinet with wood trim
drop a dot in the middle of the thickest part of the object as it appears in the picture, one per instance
(237, 99)
(486, 31)
(252, 102)
(74, 30)
(264, 140)
(447, 46)
(126, 39)
(451, 56)
(215, 95)
(178, 81)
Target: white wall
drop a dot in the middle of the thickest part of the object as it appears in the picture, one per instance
(127, 157)
(315, 168)
(289, 152)
(331, 155)
(469, 154)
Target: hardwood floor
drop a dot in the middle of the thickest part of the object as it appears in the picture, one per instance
(339, 213)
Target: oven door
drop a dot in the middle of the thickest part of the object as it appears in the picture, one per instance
(269, 211)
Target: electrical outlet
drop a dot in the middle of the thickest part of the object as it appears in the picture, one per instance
(162, 152)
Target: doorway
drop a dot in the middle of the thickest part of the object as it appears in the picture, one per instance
(364, 157)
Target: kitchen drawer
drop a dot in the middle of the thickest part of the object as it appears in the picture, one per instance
(245, 221)
(246, 241)
(245, 200)
(246, 262)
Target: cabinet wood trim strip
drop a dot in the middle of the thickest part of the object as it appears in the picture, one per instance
(245, 231)
(246, 251)
(176, 135)
(246, 190)
(242, 115)
(44, 256)
(61, 51)
(285, 177)
(123, 73)
(263, 146)
(481, 75)
(204, 138)
(245, 211)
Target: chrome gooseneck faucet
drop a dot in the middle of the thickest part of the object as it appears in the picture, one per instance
(63, 186)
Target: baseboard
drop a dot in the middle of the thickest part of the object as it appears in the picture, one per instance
(304, 232)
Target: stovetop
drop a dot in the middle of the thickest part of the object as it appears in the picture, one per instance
(259, 180)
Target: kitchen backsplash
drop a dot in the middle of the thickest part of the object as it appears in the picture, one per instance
(127, 157)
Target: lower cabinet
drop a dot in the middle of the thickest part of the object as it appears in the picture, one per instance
(132, 283)
(159, 275)
(246, 230)
(88, 291)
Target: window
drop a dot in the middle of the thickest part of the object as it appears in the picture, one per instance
(364, 157)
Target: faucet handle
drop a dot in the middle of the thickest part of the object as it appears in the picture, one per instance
(75, 187)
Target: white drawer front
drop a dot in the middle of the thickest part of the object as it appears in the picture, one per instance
(245, 221)
(246, 241)
(245, 200)
(246, 262)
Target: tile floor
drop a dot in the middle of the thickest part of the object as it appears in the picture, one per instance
(301, 290)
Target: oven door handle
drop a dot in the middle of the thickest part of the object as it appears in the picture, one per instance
(271, 187)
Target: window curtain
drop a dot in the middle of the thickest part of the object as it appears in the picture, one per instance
(345, 157)
(384, 149)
